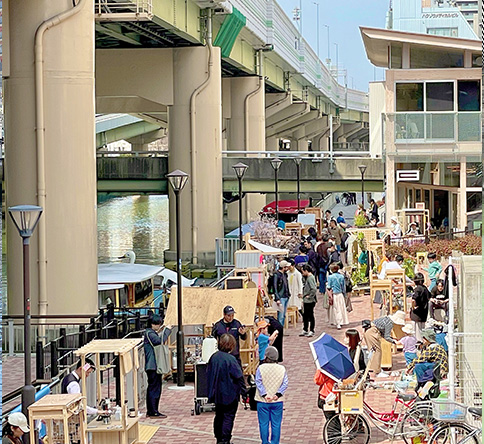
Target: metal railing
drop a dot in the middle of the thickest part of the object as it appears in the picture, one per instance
(225, 249)
(312, 155)
(351, 146)
(449, 235)
(123, 10)
(157, 153)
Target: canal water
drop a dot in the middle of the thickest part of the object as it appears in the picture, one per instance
(137, 223)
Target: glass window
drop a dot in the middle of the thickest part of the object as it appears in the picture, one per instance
(474, 174)
(448, 32)
(423, 58)
(474, 201)
(440, 96)
(395, 56)
(469, 94)
(409, 96)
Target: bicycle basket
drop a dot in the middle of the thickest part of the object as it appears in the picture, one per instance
(450, 411)
(351, 401)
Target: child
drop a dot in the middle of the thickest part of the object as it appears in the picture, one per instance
(434, 270)
(263, 338)
(409, 343)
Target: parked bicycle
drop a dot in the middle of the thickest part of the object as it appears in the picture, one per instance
(452, 427)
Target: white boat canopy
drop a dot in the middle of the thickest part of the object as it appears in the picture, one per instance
(171, 275)
(122, 273)
(105, 287)
(267, 249)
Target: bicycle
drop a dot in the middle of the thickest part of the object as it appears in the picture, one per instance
(408, 419)
(453, 429)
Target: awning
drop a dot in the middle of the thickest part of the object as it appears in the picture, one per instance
(267, 249)
(122, 273)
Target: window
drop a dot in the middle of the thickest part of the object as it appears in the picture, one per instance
(448, 32)
(409, 96)
(423, 58)
(440, 96)
(469, 96)
(395, 56)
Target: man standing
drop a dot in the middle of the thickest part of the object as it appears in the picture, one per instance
(70, 384)
(228, 324)
(281, 290)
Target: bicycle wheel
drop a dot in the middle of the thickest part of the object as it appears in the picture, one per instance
(453, 433)
(342, 428)
(418, 424)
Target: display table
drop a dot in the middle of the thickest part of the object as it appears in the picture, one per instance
(114, 433)
(64, 417)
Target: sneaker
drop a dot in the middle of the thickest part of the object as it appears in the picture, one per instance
(304, 333)
(383, 374)
(310, 334)
(338, 327)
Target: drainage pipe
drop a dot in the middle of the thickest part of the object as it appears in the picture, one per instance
(193, 135)
(40, 142)
(246, 102)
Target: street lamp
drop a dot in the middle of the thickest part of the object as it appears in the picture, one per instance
(362, 169)
(328, 60)
(276, 164)
(26, 218)
(297, 161)
(178, 180)
(240, 169)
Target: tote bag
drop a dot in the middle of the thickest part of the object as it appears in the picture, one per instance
(162, 356)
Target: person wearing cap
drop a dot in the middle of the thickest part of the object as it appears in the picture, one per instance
(420, 305)
(409, 343)
(14, 428)
(226, 384)
(396, 229)
(263, 338)
(431, 355)
(271, 382)
(228, 324)
(154, 336)
(381, 328)
(71, 383)
(281, 290)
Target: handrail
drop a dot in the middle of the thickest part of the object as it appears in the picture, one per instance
(155, 153)
(310, 155)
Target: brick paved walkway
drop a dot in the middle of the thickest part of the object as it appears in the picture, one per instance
(302, 422)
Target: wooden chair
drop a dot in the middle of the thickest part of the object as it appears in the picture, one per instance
(398, 275)
(383, 285)
(291, 316)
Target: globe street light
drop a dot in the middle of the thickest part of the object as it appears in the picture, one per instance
(240, 169)
(178, 180)
(297, 161)
(276, 164)
(26, 218)
(362, 169)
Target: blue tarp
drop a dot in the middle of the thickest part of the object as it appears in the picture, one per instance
(246, 228)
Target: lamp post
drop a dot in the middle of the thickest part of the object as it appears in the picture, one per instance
(317, 27)
(240, 169)
(276, 164)
(178, 180)
(362, 169)
(328, 60)
(26, 218)
(297, 161)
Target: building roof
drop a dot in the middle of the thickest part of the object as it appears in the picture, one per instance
(377, 41)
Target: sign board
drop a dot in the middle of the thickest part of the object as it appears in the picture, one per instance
(408, 175)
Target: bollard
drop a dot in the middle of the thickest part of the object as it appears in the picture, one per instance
(137, 322)
(82, 335)
(62, 338)
(39, 360)
(11, 338)
(54, 356)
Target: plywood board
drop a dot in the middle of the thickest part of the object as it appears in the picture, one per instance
(116, 346)
(204, 305)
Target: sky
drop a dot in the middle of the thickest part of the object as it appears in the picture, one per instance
(344, 18)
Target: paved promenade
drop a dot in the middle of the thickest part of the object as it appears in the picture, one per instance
(302, 422)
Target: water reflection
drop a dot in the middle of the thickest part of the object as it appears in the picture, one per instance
(138, 223)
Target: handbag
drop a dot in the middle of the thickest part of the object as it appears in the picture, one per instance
(330, 299)
(349, 305)
(162, 356)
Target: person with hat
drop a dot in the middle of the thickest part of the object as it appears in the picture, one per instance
(71, 382)
(420, 305)
(431, 355)
(409, 343)
(412, 229)
(14, 428)
(271, 382)
(381, 328)
(396, 229)
(228, 324)
(281, 290)
(263, 338)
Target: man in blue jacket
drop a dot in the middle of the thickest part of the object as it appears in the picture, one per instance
(225, 385)
(152, 338)
(228, 324)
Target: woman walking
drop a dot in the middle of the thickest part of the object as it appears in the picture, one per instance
(420, 305)
(336, 287)
(309, 300)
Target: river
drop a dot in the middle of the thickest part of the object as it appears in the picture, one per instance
(138, 223)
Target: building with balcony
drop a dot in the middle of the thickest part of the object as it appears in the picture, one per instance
(425, 117)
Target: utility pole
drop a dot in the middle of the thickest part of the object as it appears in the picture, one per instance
(317, 25)
(337, 68)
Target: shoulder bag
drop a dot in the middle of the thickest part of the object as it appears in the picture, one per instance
(162, 355)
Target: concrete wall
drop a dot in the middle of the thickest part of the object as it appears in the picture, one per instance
(377, 108)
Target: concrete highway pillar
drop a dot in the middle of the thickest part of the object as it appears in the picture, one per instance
(201, 200)
(64, 245)
(247, 133)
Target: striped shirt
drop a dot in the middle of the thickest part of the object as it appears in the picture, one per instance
(385, 327)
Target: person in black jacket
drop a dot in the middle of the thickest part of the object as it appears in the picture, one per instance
(420, 305)
(225, 385)
(228, 324)
(274, 325)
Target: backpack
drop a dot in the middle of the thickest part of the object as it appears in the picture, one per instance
(344, 240)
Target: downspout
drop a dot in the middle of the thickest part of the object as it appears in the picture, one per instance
(246, 101)
(40, 142)
(193, 134)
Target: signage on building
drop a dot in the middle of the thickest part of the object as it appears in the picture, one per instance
(408, 175)
(437, 15)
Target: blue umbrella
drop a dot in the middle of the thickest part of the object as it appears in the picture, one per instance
(332, 357)
(246, 228)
